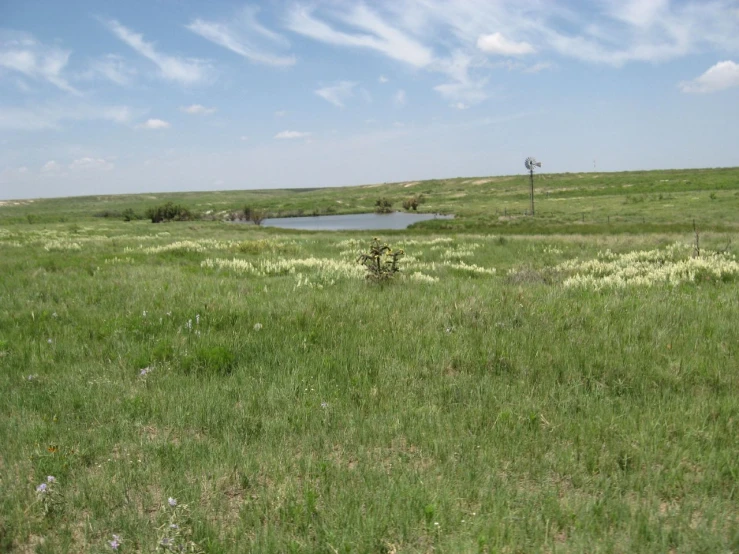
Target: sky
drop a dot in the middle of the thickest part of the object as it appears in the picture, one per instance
(110, 97)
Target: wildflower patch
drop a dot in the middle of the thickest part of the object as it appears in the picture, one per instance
(673, 265)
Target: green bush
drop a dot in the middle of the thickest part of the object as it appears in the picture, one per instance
(130, 215)
(169, 212)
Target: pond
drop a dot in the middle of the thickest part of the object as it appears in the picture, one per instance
(352, 222)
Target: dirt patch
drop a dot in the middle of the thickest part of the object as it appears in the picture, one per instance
(34, 541)
(413, 184)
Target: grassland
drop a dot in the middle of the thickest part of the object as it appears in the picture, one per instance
(583, 203)
(523, 385)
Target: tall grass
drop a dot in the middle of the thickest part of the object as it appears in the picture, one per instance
(495, 411)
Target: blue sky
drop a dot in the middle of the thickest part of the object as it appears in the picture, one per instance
(105, 96)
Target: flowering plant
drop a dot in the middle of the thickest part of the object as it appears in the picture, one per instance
(48, 495)
(175, 534)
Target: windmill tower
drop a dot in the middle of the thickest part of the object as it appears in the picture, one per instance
(531, 163)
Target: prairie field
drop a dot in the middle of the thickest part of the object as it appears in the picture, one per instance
(562, 383)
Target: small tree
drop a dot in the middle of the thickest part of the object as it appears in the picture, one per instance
(381, 261)
(257, 216)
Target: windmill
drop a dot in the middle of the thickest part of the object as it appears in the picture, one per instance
(530, 164)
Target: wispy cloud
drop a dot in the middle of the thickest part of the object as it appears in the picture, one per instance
(21, 53)
(395, 30)
(640, 13)
(382, 79)
(154, 124)
(52, 116)
(538, 67)
(721, 76)
(337, 94)
(245, 36)
(280, 113)
(652, 31)
(187, 71)
(400, 99)
(113, 68)
(197, 109)
(609, 32)
(90, 163)
(291, 135)
(376, 34)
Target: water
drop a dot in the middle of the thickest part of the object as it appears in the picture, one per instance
(351, 222)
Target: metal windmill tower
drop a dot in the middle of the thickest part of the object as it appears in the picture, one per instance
(530, 164)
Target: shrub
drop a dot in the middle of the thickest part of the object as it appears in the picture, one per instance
(381, 261)
(412, 202)
(169, 212)
(383, 206)
(130, 215)
(108, 214)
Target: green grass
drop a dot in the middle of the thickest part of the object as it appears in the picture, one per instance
(477, 413)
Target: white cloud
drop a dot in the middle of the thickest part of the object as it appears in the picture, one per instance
(243, 137)
(90, 163)
(197, 109)
(181, 70)
(154, 124)
(498, 44)
(113, 68)
(280, 113)
(337, 94)
(22, 53)
(241, 35)
(291, 135)
(382, 79)
(721, 76)
(399, 99)
(51, 167)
